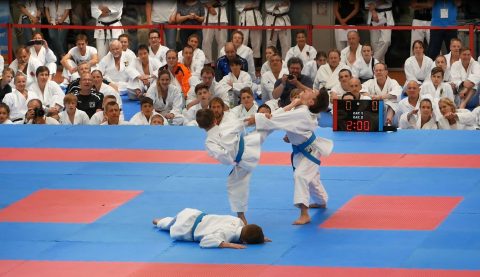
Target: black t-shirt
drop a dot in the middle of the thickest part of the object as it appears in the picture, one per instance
(285, 97)
(89, 103)
(4, 91)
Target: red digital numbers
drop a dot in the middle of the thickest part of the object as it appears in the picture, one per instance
(357, 125)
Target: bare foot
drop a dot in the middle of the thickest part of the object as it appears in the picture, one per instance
(242, 217)
(303, 219)
(155, 221)
(317, 206)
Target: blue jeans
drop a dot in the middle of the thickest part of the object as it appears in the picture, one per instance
(27, 32)
(58, 39)
(170, 36)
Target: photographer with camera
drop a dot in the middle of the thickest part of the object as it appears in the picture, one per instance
(295, 79)
(36, 114)
(38, 48)
(49, 92)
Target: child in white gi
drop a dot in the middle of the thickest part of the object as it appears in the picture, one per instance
(223, 231)
(227, 144)
(300, 124)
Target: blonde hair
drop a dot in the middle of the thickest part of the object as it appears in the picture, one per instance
(448, 102)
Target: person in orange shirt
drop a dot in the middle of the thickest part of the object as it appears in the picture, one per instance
(179, 72)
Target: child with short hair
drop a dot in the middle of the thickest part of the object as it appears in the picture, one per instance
(71, 115)
(247, 106)
(299, 120)
(223, 231)
(227, 144)
(144, 116)
(203, 95)
(265, 109)
(5, 114)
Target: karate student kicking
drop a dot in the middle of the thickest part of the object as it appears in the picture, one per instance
(223, 231)
(299, 120)
(228, 144)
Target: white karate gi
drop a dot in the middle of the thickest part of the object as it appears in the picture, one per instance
(459, 74)
(346, 51)
(466, 121)
(32, 66)
(266, 67)
(362, 70)
(81, 118)
(135, 83)
(416, 122)
(122, 76)
(215, 90)
(220, 35)
(242, 81)
(108, 90)
(8, 121)
(2, 64)
(173, 104)
(310, 69)
(222, 143)
(250, 17)
(246, 53)
(326, 77)
(415, 72)
(278, 16)
(46, 58)
(273, 104)
(52, 94)
(160, 55)
(381, 39)
(97, 118)
(391, 87)
(443, 90)
(190, 115)
(198, 61)
(300, 124)
(405, 107)
(268, 83)
(210, 232)
(17, 104)
(105, 36)
(308, 53)
(140, 119)
(241, 112)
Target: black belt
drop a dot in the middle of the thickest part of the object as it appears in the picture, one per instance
(254, 16)
(17, 119)
(108, 24)
(277, 14)
(275, 20)
(383, 10)
(216, 5)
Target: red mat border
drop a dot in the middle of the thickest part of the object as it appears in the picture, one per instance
(201, 157)
(81, 268)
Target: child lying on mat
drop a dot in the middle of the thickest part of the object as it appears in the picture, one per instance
(223, 231)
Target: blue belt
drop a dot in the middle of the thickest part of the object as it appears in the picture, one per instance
(197, 221)
(301, 148)
(241, 149)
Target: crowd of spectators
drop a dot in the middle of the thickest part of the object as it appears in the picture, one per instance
(441, 89)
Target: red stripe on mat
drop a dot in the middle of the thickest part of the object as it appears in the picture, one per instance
(201, 157)
(99, 269)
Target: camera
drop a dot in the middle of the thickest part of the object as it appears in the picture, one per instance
(35, 42)
(38, 112)
(290, 77)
